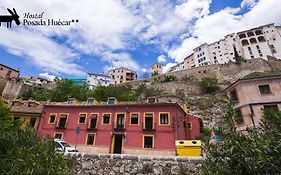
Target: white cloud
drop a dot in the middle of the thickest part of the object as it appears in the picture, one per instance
(144, 70)
(167, 67)
(248, 3)
(162, 59)
(110, 29)
(40, 51)
(47, 76)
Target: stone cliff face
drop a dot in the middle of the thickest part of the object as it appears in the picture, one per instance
(185, 89)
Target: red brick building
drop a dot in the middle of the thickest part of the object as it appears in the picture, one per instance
(130, 128)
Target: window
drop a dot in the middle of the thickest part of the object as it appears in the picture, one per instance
(52, 118)
(261, 39)
(253, 41)
(70, 101)
(148, 121)
(32, 122)
(189, 125)
(82, 118)
(93, 121)
(233, 95)
(245, 42)
(250, 34)
(239, 117)
(151, 100)
(90, 139)
(90, 101)
(164, 118)
(106, 119)
(111, 101)
(58, 135)
(264, 89)
(258, 32)
(120, 123)
(62, 121)
(270, 107)
(134, 119)
(148, 141)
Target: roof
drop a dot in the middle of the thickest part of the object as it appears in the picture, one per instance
(23, 108)
(156, 64)
(9, 67)
(121, 68)
(104, 104)
(255, 28)
(98, 75)
(189, 56)
(257, 76)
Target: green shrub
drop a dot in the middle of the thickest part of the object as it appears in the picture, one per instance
(257, 152)
(208, 84)
(22, 151)
(170, 78)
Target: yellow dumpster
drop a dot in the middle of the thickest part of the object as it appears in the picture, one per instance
(188, 148)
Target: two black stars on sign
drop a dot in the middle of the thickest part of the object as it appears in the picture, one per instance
(75, 21)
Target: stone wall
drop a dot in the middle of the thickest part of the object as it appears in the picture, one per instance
(111, 164)
(3, 83)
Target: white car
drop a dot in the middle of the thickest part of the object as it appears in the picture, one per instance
(63, 147)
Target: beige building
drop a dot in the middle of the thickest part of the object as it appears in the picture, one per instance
(28, 112)
(120, 75)
(156, 69)
(254, 93)
(8, 72)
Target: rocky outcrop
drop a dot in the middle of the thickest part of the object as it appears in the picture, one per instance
(111, 164)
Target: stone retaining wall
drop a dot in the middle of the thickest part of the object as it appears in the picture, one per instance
(111, 164)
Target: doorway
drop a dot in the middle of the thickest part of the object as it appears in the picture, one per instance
(118, 142)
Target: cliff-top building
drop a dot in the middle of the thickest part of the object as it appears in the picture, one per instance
(120, 75)
(156, 69)
(258, 42)
(94, 80)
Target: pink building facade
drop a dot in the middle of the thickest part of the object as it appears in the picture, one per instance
(120, 128)
(252, 94)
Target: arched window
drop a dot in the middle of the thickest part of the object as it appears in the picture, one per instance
(261, 39)
(258, 32)
(242, 35)
(250, 34)
(245, 42)
(253, 41)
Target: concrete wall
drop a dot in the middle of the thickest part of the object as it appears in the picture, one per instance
(129, 164)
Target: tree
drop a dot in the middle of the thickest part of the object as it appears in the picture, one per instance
(237, 57)
(257, 152)
(208, 84)
(22, 151)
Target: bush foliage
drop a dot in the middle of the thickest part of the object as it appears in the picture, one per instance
(66, 89)
(22, 151)
(257, 152)
(208, 84)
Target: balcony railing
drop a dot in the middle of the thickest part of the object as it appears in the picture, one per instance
(61, 127)
(92, 128)
(148, 127)
(119, 127)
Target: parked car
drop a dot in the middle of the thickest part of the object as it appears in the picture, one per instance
(63, 147)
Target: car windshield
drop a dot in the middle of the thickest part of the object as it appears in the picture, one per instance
(65, 144)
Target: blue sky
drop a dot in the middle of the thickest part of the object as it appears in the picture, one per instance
(112, 33)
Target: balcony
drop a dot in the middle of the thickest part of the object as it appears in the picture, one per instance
(119, 127)
(92, 128)
(148, 126)
(60, 127)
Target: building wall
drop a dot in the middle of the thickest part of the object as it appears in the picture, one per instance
(156, 68)
(164, 136)
(121, 75)
(7, 72)
(189, 62)
(94, 80)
